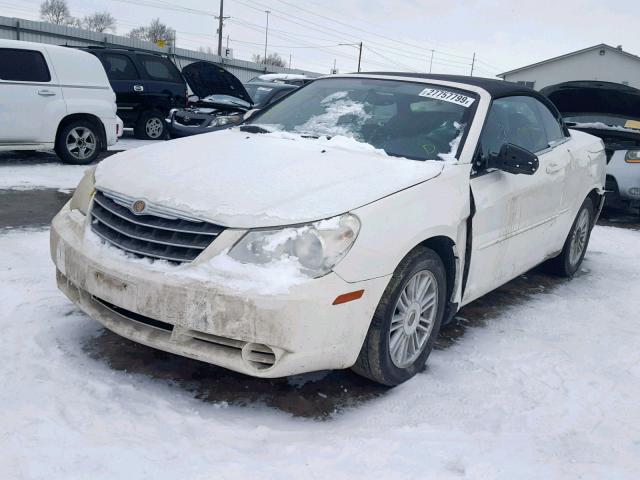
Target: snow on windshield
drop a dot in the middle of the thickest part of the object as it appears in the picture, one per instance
(404, 119)
(338, 108)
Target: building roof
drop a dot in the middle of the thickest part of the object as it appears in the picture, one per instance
(566, 55)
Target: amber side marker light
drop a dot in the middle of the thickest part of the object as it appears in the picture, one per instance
(348, 297)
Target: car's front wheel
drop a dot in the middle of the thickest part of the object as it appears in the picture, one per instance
(575, 246)
(407, 320)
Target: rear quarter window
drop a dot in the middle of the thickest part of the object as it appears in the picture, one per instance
(119, 67)
(23, 66)
(160, 69)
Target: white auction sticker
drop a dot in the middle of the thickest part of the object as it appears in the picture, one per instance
(447, 96)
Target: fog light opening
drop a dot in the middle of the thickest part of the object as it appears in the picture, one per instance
(258, 356)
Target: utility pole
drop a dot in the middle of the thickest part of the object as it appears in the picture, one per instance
(266, 38)
(359, 57)
(289, 60)
(473, 63)
(431, 61)
(220, 20)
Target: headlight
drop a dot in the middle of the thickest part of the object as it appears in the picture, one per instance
(84, 192)
(318, 246)
(632, 156)
(225, 120)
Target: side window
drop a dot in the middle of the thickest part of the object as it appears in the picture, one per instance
(119, 67)
(514, 120)
(23, 66)
(551, 124)
(160, 69)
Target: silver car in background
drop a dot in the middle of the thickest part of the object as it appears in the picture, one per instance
(610, 111)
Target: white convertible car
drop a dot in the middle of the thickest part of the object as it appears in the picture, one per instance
(340, 227)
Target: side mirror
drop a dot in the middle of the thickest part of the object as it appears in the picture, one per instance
(515, 160)
(193, 98)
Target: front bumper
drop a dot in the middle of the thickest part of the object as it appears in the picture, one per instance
(252, 333)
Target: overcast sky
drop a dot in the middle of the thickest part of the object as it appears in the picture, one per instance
(397, 35)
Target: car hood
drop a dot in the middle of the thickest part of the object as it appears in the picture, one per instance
(593, 97)
(206, 78)
(246, 180)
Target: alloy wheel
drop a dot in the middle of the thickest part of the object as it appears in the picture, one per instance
(81, 143)
(579, 237)
(154, 127)
(413, 318)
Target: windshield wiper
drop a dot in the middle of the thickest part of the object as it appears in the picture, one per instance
(254, 129)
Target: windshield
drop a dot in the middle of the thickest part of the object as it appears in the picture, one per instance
(258, 93)
(405, 119)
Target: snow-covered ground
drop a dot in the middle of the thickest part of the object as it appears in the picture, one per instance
(21, 172)
(547, 389)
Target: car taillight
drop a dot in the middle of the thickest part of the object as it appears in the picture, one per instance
(632, 156)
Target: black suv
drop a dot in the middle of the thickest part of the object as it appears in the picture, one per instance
(147, 87)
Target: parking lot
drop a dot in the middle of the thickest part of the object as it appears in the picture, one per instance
(542, 370)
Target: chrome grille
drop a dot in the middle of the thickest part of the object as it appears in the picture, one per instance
(149, 235)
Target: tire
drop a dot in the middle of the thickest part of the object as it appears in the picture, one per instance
(78, 142)
(381, 357)
(575, 246)
(150, 126)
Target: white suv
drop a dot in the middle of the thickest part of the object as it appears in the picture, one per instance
(55, 97)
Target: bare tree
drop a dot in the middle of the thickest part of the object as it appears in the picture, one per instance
(55, 11)
(155, 31)
(271, 59)
(99, 22)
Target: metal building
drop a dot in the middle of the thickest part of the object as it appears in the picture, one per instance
(600, 62)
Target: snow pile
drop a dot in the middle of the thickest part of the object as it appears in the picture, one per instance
(274, 278)
(450, 157)
(342, 116)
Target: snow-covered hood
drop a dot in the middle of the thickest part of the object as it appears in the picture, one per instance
(246, 180)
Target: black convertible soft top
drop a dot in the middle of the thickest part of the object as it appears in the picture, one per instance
(495, 88)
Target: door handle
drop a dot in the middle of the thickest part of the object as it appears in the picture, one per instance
(46, 93)
(138, 88)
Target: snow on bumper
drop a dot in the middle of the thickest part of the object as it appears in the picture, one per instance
(259, 335)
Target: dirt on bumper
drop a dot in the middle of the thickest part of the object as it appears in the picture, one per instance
(300, 331)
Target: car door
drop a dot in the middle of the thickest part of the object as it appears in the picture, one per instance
(515, 225)
(31, 101)
(126, 82)
(164, 86)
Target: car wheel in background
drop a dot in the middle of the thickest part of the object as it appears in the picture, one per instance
(78, 142)
(407, 320)
(150, 126)
(575, 246)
